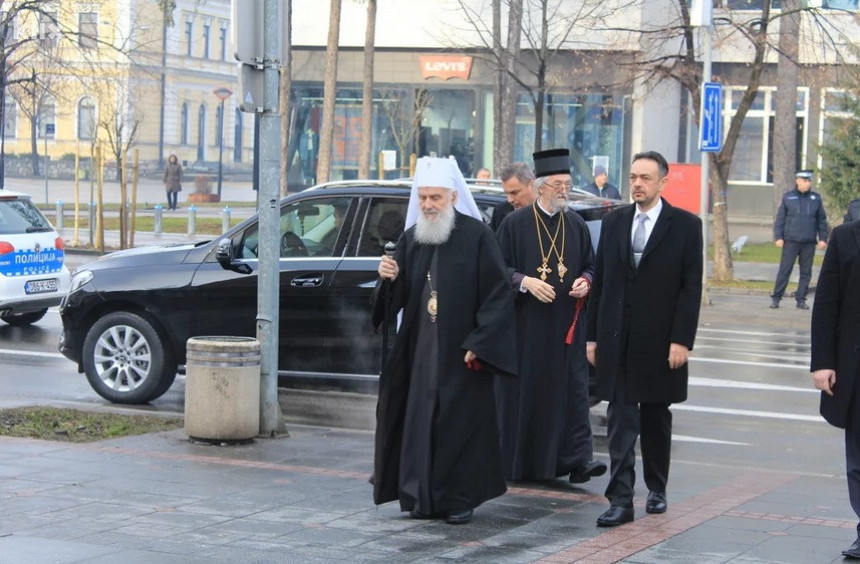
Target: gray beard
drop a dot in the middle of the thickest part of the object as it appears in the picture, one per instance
(435, 232)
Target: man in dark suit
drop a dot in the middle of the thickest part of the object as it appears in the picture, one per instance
(642, 318)
(835, 336)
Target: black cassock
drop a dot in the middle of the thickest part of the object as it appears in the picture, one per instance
(437, 444)
(543, 415)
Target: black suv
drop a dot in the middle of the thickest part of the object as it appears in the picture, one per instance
(128, 315)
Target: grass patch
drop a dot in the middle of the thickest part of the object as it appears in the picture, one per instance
(77, 426)
(146, 224)
(763, 285)
(762, 252)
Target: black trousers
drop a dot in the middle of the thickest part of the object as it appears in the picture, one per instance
(791, 250)
(652, 424)
(852, 459)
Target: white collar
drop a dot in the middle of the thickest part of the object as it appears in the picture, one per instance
(653, 213)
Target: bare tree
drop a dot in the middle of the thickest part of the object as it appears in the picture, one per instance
(404, 120)
(364, 147)
(670, 52)
(329, 94)
(286, 87)
(785, 122)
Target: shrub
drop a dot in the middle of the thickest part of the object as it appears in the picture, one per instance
(202, 184)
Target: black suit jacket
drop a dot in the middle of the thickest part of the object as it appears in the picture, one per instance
(634, 314)
(836, 321)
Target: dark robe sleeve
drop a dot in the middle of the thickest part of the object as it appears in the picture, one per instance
(493, 339)
(391, 292)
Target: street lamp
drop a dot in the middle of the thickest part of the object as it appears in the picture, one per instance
(222, 93)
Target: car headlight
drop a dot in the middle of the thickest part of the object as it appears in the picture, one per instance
(79, 278)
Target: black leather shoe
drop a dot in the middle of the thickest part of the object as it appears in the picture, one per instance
(615, 515)
(853, 551)
(587, 471)
(774, 304)
(459, 518)
(802, 305)
(656, 503)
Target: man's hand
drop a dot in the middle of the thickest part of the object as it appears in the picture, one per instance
(824, 380)
(591, 353)
(822, 245)
(580, 288)
(388, 268)
(779, 243)
(539, 289)
(678, 355)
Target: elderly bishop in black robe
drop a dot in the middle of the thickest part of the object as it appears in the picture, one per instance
(437, 444)
(544, 413)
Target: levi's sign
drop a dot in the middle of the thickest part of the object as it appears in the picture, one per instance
(445, 66)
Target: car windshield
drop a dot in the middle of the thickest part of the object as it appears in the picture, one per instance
(21, 216)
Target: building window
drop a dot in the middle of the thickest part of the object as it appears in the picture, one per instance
(10, 118)
(88, 30)
(183, 125)
(47, 120)
(201, 133)
(749, 4)
(237, 137)
(48, 30)
(206, 29)
(222, 41)
(753, 157)
(10, 32)
(189, 37)
(86, 119)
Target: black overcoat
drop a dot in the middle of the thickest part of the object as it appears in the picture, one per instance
(635, 313)
(836, 321)
(475, 313)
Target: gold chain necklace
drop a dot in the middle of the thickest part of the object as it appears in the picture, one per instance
(432, 304)
(543, 269)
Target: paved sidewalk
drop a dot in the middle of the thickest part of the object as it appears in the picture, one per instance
(162, 498)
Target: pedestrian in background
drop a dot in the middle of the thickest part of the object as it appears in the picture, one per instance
(834, 362)
(172, 181)
(437, 440)
(642, 320)
(799, 220)
(517, 182)
(601, 187)
(543, 415)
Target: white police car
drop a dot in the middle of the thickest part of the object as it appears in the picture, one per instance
(32, 274)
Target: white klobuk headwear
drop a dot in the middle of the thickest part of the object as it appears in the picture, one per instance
(434, 172)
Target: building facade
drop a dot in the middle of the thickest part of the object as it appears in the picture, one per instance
(433, 86)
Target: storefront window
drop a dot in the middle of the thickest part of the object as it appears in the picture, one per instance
(589, 125)
(447, 127)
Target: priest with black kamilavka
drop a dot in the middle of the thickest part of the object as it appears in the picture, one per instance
(543, 414)
(437, 441)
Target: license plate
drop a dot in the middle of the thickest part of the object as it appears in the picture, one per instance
(41, 286)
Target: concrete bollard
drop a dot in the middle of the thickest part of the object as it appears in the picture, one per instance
(222, 388)
(225, 219)
(59, 220)
(156, 219)
(192, 220)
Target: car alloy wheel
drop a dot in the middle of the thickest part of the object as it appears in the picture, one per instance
(125, 359)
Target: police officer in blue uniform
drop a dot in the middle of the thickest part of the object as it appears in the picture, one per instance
(799, 221)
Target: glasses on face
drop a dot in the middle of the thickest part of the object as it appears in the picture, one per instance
(560, 185)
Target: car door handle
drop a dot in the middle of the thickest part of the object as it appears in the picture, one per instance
(307, 281)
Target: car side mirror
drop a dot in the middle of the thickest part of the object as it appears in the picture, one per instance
(224, 256)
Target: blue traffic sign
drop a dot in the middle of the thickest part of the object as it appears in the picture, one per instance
(711, 124)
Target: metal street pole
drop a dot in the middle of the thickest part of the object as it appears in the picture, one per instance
(706, 162)
(221, 151)
(223, 94)
(46, 164)
(268, 288)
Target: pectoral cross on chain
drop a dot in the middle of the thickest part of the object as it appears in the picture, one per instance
(544, 270)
